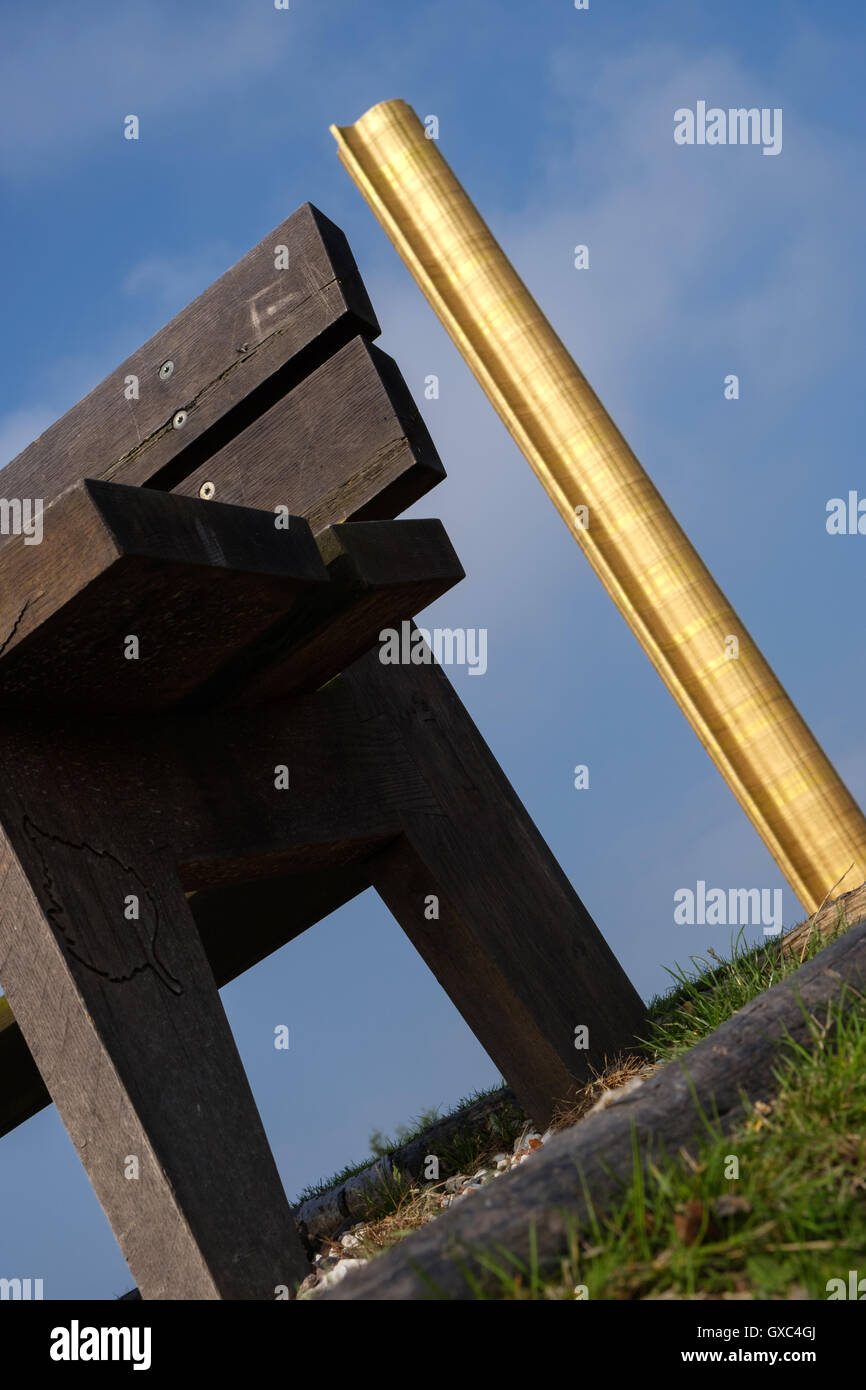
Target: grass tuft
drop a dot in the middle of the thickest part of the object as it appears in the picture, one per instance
(774, 1210)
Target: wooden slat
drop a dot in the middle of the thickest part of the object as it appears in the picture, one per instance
(221, 601)
(348, 443)
(247, 340)
(380, 573)
(192, 581)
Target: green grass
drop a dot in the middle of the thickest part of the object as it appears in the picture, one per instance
(713, 990)
(798, 1178)
(800, 1218)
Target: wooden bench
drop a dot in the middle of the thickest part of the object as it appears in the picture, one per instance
(203, 755)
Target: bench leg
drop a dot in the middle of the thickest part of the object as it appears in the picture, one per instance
(105, 971)
(512, 944)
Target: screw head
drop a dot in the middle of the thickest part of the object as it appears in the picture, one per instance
(207, 491)
(179, 420)
(166, 370)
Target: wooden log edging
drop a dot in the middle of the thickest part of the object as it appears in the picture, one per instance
(737, 1060)
(842, 913)
(326, 1213)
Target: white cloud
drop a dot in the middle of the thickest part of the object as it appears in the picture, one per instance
(695, 248)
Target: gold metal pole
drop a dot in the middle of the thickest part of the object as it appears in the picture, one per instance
(788, 788)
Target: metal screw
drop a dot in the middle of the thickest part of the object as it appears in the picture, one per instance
(166, 370)
(206, 491)
(179, 420)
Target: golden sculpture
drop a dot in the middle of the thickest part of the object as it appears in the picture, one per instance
(790, 791)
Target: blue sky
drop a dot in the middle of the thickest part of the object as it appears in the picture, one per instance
(703, 261)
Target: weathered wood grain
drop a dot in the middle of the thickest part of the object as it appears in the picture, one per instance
(513, 946)
(348, 782)
(548, 1196)
(348, 443)
(102, 964)
(253, 335)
